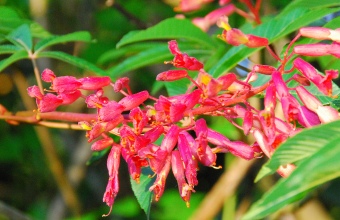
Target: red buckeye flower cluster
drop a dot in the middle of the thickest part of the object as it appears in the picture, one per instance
(140, 124)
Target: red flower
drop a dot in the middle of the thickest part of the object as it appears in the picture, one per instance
(183, 60)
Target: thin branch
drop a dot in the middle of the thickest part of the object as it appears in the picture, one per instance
(129, 16)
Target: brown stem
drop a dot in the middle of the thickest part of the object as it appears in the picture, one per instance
(222, 190)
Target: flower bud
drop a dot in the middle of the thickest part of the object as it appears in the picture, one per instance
(312, 49)
(255, 41)
(319, 33)
(94, 82)
(172, 75)
(101, 144)
(134, 100)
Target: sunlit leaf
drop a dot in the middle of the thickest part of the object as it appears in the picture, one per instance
(171, 28)
(322, 166)
(21, 37)
(301, 146)
(141, 190)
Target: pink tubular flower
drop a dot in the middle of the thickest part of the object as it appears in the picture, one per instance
(112, 188)
(172, 75)
(69, 98)
(102, 144)
(159, 184)
(135, 164)
(334, 49)
(321, 33)
(34, 92)
(46, 103)
(264, 69)
(236, 37)
(190, 5)
(121, 83)
(289, 103)
(325, 113)
(237, 148)
(209, 85)
(110, 110)
(263, 143)
(134, 100)
(153, 134)
(64, 84)
(227, 80)
(94, 83)
(312, 49)
(170, 139)
(307, 118)
(183, 60)
(212, 17)
(185, 144)
(270, 98)
(139, 119)
(178, 171)
(324, 83)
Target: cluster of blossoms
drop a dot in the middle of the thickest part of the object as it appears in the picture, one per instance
(175, 118)
(226, 8)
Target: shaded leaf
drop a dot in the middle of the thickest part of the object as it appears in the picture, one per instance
(322, 166)
(171, 28)
(19, 55)
(83, 36)
(141, 190)
(147, 57)
(11, 20)
(301, 146)
(8, 48)
(76, 61)
(115, 54)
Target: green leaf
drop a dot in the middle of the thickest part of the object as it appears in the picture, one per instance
(154, 54)
(129, 50)
(147, 57)
(83, 36)
(21, 37)
(19, 55)
(8, 49)
(171, 28)
(311, 4)
(75, 61)
(322, 166)
(177, 87)
(97, 155)
(11, 20)
(274, 29)
(141, 190)
(301, 146)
